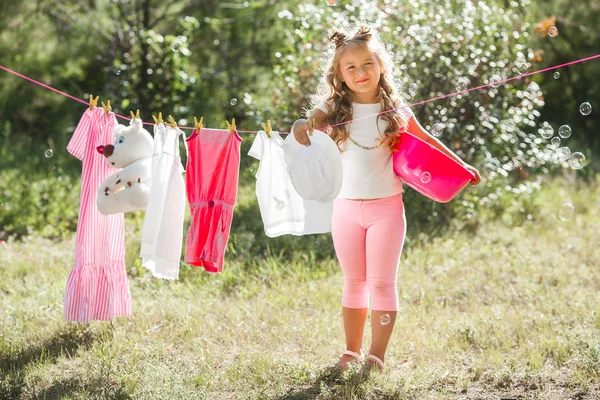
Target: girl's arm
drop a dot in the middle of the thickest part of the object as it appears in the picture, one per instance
(416, 129)
(317, 115)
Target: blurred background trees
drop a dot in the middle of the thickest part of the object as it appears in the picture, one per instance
(259, 60)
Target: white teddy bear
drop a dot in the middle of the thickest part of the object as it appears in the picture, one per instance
(128, 189)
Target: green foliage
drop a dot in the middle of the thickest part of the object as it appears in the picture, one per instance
(38, 194)
(35, 44)
(208, 59)
(46, 205)
(577, 38)
(499, 313)
(442, 48)
(262, 60)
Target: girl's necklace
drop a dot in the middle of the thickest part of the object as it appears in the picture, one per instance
(365, 147)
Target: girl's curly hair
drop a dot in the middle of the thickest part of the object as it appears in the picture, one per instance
(338, 96)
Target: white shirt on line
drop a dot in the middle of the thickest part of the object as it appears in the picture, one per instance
(282, 209)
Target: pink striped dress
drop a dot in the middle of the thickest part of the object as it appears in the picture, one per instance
(97, 287)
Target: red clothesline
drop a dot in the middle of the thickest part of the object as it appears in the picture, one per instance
(496, 83)
(3, 243)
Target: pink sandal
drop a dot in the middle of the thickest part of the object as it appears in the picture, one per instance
(368, 365)
(357, 357)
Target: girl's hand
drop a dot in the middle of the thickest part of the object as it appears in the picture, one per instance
(301, 129)
(474, 172)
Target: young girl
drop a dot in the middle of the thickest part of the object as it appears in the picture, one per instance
(368, 225)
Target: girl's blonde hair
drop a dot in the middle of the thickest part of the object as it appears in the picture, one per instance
(338, 96)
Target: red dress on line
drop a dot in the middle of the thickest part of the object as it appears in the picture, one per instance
(212, 173)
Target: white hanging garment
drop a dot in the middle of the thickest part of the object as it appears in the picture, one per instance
(162, 233)
(282, 209)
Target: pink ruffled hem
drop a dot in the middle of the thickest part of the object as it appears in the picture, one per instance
(97, 292)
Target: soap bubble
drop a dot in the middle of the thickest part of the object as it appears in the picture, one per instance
(564, 131)
(585, 108)
(425, 177)
(552, 31)
(233, 101)
(420, 33)
(522, 67)
(565, 212)
(423, 34)
(556, 75)
(555, 142)
(385, 319)
(546, 131)
(462, 83)
(176, 45)
(118, 72)
(412, 89)
(436, 130)
(577, 160)
(495, 80)
(563, 153)
(49, 153)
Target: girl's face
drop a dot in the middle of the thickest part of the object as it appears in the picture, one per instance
(361, 72)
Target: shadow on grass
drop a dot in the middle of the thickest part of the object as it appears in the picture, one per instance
(67, 340)
(333, 383)
(96, 388)
(64, 341)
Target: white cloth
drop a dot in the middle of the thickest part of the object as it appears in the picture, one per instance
(368, 174)
(162, 233)
(315, 170)
(282, 209)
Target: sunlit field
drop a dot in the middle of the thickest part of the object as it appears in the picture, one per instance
(499, 288)
(508, 312)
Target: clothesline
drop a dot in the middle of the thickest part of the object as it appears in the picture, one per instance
(495, 83)
(5, 245)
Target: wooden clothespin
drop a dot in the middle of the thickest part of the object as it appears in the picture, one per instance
(172, 122)
(93, 102)
(136, 115)
(107, 107)
(231, 126)
(158, 120)
(311, 122)
(198, 125)
(267, 128)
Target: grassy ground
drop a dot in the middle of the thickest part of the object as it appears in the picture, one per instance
(510, 312)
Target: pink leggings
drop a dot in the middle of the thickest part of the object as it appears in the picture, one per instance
(368, 236)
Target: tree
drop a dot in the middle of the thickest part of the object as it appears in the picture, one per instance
(576, 37)
(441, 48)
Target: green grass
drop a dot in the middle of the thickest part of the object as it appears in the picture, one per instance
(505, 312)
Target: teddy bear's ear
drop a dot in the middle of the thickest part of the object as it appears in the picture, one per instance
(118, 128)
(136, 123)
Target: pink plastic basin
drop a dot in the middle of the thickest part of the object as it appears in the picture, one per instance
(429, 171)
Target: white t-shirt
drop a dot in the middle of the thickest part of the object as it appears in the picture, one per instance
(282, 209)
(368, 174)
